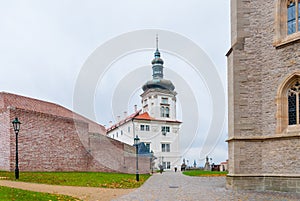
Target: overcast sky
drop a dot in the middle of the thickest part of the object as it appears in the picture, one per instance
(45, 44)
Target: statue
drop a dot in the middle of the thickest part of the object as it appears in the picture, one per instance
(207, 165)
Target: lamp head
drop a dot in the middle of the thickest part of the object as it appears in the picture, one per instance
(16, 124)
(136, 140)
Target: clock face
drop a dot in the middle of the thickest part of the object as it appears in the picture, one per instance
(157, 72)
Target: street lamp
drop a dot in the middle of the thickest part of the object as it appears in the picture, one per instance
(136, 144)
(16, 125)
(151, 161)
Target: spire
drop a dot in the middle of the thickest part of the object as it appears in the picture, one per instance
(157, 63)
(157, 53)
(156, 41)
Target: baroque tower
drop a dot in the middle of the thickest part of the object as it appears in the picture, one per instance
(155, 124)
(159, 97)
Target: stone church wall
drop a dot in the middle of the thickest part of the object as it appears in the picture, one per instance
(260, 156)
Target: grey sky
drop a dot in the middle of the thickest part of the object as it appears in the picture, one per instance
(43, 44)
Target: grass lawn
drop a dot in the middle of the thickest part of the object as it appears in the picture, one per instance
(202, 173)
(9, 194)
(88, 179)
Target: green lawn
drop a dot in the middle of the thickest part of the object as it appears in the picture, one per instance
(89, 179)
(202, 173)
(10, 194)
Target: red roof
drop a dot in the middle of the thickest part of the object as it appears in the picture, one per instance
(138, 116)
(144, 116)
(129, 118)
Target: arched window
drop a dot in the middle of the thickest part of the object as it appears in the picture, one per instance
(167, 112)
(293, 103)
(164, 111)
(292, 16)
(288, 104)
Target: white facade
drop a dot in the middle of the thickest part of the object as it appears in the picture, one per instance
(155, 124)
(154, 100)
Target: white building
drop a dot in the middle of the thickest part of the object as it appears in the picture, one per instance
(155, 124)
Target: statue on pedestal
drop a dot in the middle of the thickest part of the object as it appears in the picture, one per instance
(207, 165)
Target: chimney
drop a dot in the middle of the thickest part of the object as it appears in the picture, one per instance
(125, 114)
(110, 123)
(118, 118)
(135, 108)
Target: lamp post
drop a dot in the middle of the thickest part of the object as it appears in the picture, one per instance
(136, 144)
(16, 125)
(151, 161)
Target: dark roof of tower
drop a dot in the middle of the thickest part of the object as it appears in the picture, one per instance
(159, 84)
(158, 81)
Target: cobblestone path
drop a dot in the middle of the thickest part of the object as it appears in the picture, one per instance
(171, 186)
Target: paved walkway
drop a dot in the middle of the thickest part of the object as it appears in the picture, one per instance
(171, 186)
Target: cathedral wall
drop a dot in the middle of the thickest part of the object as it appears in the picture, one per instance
(259, 155)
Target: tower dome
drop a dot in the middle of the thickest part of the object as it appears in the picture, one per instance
(158, 81)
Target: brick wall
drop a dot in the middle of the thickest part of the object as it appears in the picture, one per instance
(5, 141)
(49, 142)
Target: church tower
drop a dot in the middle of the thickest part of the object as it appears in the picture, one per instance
(159, 97)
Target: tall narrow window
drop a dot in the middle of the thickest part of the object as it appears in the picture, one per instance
(293, 16)
(167, 112)
(293, 104)
(165, 147)
(164, 111)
